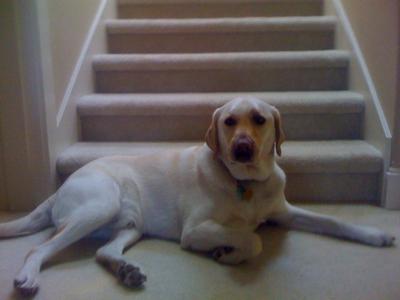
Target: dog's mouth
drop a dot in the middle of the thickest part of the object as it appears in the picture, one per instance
(243, 156)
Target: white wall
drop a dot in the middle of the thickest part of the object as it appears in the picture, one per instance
(69, 22)
(63, 30)
(376, 26)
(3, 191)
(395, 159)
(71, 32)
(371, 30)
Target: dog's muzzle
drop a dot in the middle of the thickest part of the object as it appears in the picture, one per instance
(243, 149)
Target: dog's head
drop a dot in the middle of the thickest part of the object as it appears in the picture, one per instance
(245, 132)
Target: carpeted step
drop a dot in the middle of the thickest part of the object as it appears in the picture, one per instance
(222, 72)
(321, 171)
(131, 117)
(136, 9)
(220, 35)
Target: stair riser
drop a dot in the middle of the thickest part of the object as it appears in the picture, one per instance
(231, 80)
(217, 10)
(174, 128)
(326, 188)
(221, 42)
(320, 171)
(333, 188)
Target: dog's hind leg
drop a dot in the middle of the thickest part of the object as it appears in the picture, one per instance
(35, 221)
(80, 223)
(111, 257)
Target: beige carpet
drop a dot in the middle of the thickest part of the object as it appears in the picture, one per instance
(293, 265)
(170, 63)
(317, 171)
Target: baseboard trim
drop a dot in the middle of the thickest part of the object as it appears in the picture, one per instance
(81, 59)
(392, 186)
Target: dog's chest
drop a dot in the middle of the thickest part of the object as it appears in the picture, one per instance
(246, 213)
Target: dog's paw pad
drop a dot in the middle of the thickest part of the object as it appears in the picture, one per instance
(131, 276)
(217, 253)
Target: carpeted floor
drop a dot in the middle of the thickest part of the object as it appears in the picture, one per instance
(294, 265)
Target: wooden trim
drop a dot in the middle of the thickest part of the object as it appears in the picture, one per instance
(24, 142)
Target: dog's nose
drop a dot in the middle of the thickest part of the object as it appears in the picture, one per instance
(243, 149)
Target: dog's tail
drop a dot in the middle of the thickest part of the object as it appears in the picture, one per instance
(38, 219)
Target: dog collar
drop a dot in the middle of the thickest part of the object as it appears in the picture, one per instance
(243, 192)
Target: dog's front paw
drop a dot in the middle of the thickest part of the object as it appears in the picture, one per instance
(217, 253)
(131, 276)
(227, 255)
(26, 285)
(379, 238)
(384, 240)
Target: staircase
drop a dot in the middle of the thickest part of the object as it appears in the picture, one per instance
(172, 62)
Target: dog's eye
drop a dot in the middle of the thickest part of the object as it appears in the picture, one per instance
(230, 121)
(259, 120)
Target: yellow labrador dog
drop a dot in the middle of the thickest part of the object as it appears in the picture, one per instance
(209, 198)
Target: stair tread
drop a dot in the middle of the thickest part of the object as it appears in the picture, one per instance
(206, 103)
(199, 25)
(211, 1)
(216, 8)
(339, 156)
(146, 71)
(253, 60)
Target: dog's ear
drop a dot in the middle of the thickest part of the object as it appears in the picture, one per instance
(212, 133)
(279, 134)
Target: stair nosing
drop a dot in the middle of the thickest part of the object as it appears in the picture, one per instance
(200, 104)
(229, 60)
(212, 25)
(328, 159)
(157, 2)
